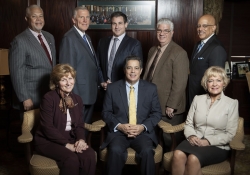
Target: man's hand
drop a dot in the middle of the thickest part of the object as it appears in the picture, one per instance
(104, 85)
(130, 130)
(124, 128)
(28, 104)
(170, 112)
(135, 130)
(80, 146)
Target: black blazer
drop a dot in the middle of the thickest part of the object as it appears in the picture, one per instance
(115, 108)
(129, 46)
(211, 54)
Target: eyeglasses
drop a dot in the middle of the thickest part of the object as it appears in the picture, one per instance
(204, 26)
(163, 31)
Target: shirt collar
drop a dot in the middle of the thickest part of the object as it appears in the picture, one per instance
(135, 85)
(221, 96)
(120, 37)
(79, 31)
(205, 40)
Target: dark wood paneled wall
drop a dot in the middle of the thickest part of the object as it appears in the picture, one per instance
(58, 16)
(234, 28)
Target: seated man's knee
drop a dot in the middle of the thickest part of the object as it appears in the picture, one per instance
(71, 161)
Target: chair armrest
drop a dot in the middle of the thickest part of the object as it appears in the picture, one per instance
(168, 128)
(100, 123)
(26, 137)
(93, 128)
(236, 143)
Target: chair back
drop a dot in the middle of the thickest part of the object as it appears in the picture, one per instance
(240, 130)
(248, 80)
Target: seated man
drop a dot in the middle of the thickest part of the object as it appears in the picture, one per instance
(131, 116)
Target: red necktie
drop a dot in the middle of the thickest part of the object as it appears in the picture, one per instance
(45, 48)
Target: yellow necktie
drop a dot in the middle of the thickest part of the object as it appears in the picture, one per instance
(132, 107)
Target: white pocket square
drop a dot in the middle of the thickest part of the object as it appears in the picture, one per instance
(200, 58)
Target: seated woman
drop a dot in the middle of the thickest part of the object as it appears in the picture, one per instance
(211, 124)
(60, 135)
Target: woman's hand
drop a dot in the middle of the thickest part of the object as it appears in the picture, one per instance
(80, 145)
(194, 141)
(71, 147)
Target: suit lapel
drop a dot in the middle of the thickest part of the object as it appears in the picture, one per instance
(106, 49)
(141, 96)
(163, 59)
(85, 46)
(51, 48)
(121, 47)
(123, 93)
(37, 45)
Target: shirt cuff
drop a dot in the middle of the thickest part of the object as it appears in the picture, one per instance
(115, 130)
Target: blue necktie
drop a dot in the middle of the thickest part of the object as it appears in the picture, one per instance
(85, 39)
(111, 58)
(200, 47)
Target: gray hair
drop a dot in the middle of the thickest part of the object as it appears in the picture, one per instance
(31, 7)
(79, 8)
(166, 21)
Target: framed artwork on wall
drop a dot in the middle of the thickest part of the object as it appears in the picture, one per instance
(242, 69)
(141, 14)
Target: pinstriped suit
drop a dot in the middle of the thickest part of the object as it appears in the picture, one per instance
(30, 68)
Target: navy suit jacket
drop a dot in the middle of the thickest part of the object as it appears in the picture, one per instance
(211, 54)
(129, 46)
(115, 108)
(74, 51)
(30, 67)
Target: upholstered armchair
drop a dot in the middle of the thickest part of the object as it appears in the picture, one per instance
(223, 168)
(40, 165)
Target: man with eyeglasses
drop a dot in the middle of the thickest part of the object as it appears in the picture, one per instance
(207, 52)
(167, 67)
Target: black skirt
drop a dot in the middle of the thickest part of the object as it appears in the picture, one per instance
(207, 155)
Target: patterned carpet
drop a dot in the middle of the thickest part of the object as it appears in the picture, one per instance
(12, 162)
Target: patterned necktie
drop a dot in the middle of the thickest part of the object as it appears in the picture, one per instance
(132, 106)
(152, 67)
(200, 47)
(45, 48)
(111, 58)
(85, 39)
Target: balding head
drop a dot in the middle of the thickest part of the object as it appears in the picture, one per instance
(206, 26)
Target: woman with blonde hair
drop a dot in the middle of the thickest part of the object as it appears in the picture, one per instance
(211, 124)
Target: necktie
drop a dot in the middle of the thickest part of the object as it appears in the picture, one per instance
(45, 48)
(132, 106)
(111, 58)
(152, 67)
(200, 47)
(85, 39)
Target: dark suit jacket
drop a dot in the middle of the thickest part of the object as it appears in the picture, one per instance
(211, 54)
(30, 68)
(170, 77)
(53, 121)
(129, 46)
(74, 51)
(115, 108)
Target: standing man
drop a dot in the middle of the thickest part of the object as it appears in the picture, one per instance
(32, 55)
(113, 50)
(131, 111)
(167, 67)
(76, 49)
(207, 52)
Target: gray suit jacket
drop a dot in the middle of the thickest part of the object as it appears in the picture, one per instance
(30, 68)
(217, 124)
(74, 51)
(170, 77)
